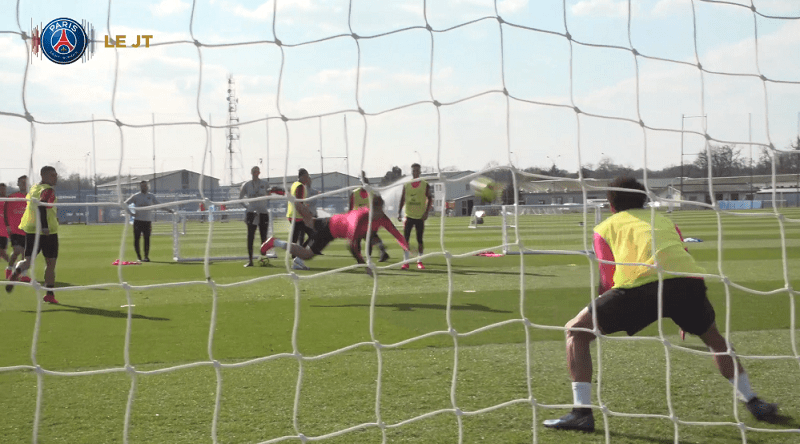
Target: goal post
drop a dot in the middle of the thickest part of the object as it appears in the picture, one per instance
(190, 235)
(536, 229)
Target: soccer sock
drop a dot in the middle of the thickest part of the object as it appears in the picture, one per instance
(280, 243)
(299, 261)
(743, 386)
(406, 255)
(582, 393)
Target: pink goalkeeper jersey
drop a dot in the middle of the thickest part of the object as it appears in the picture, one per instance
(353, 225)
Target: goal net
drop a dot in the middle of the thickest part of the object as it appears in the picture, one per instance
(190, 236)
(549, 98)
(538, 229)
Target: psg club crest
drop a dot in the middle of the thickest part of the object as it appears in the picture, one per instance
(62, 41)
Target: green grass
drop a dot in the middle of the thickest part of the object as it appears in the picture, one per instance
(255, 318)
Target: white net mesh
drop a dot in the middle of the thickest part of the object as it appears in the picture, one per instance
(489, 39)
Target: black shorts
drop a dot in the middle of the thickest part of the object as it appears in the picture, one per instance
(3, 243)
(17, 240)
(48, 245)
(322, 235)
(632, 309)
(142, 227)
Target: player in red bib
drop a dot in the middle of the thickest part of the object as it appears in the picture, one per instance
(3, 229)
(351, 226)
(12, 218)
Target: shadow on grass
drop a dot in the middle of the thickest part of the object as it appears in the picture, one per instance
(784, 421)
(429, 270)
(97, 312)
(643, 438)
(411, 307)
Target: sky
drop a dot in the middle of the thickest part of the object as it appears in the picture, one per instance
(364, 84)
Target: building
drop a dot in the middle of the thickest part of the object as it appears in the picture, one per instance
(177, 184)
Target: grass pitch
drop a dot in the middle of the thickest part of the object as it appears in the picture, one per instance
(503, 377)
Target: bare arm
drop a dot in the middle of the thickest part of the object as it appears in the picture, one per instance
(429, 198)
(402, 202)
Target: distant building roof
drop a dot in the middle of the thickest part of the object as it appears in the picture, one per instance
(135, 179)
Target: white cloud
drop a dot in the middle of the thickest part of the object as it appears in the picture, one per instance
(607, 8)
(671, 7)
(169, 7)
(12, 48)
(264, 11)
(509, 6)
(778, 7)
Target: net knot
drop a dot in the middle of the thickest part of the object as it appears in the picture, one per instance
(284, 118)
(500, 20)
(576, 109)
(568, 36)
(197, 43)
(355, 36)
(634, 51)
(361, 111)
(203, 123)
(278, 41)
(437, 103)
(428, 27)
(118, 122)
(28, 116)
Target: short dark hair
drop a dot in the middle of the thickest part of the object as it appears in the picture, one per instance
(377, 201)
(302, 172)
(144, 181)
(22, 177)
(622, 200)
(415, 165)
(46, 169)
(2, 184)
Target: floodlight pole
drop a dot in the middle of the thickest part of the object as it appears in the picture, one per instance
(683, 118)
(321, 164)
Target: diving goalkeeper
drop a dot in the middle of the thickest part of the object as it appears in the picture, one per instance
(351, 226)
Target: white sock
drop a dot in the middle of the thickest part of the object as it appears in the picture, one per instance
(582, 393)
(406, 255)
(299, 261)
(743, 386)
(280, 243)
(419, 257)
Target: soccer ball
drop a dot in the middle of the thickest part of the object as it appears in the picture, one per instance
(486, 189)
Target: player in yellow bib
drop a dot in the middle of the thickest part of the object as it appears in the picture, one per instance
(417, 200)
(299, 215)
(360, 199)
(628, 301)
(45, 212)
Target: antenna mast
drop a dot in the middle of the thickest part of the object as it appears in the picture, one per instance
(232, 131)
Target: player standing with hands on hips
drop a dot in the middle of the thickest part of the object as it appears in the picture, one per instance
(417, 199)
(143, 219)
(628, 298)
